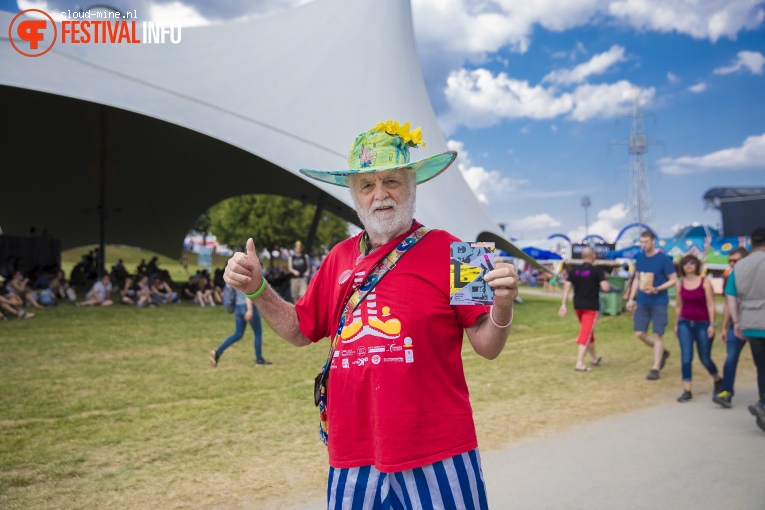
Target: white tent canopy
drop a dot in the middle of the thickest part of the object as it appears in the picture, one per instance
(160, 133)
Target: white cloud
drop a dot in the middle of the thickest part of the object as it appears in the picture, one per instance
(484, 183)
(607, 100)
(751, 61)
(607, 225)
(672, 78)
(700, 19)
(751, 155)
(534, 222)
(598, 64)
(572, 54)
(698, 88)
(478, 98)
(473, 28)
(177, 12)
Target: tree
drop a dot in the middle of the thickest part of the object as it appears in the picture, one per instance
(202, 226)
(272, 220)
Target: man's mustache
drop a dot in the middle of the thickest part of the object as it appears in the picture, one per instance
(388, 202)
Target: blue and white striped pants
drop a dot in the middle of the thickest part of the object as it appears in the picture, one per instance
(453, 483)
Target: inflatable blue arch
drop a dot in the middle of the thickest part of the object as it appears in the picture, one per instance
(563, 236)
(631, 225)
(593, 236)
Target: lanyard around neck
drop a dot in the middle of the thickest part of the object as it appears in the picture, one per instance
(373, 278)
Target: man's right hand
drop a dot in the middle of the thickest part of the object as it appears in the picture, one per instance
(243, 271)
(631, 305)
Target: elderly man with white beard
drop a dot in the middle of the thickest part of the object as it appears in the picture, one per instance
(394, 404)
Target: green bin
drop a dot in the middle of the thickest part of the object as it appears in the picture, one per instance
(612, 303)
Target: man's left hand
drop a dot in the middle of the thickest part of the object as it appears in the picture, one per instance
(504, 282)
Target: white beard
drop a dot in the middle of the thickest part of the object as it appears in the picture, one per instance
(393, 225)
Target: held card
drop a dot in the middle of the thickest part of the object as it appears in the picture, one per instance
(469, 264)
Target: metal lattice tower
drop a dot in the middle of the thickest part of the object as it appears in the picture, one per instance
(639, 204)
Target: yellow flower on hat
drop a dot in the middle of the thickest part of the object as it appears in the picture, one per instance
(412, 137)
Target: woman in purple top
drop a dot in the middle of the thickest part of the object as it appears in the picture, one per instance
(695, 321)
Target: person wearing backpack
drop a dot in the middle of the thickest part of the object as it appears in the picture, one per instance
(244, 311)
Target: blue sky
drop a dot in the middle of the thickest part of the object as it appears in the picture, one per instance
(532, 94)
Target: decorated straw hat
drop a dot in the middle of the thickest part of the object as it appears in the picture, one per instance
(386, 147)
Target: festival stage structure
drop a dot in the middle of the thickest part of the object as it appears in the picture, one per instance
(131, 142)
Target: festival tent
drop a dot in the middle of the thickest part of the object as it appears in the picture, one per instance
(627, 253)
(132, 142)
(742, 208)
(539, 254)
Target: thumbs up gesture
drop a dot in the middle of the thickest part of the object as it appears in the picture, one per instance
(243, 271)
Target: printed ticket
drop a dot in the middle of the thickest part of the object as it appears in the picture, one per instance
(469, 264)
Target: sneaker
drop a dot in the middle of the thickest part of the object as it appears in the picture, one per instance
(685, 397)
(214, 357)
(723, 398)
(652, 375)
(758, 411)
(262, 361)
(718, 385)
(663, 359)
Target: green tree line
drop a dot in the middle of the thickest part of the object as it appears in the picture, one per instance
(270, 220)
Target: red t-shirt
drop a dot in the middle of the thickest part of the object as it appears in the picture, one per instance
(397, 392)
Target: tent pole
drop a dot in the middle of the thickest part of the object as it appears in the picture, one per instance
(102, 204)
(315, 223)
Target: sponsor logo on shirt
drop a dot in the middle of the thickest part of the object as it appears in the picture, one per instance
(360, 362)
(362, 350)
(345, 363)
(409, 356)
(393, 360)
(394, 347)
(375, 359)
(374, 321)
(377, 348)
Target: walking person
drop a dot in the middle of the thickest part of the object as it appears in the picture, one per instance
(394, 401)
(654, 274)
(695, 322)
(745, 294)
(733, 344)
(587, 280)
(299, 266)
(244, 313)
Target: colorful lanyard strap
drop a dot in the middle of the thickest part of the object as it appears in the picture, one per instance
(373, 278)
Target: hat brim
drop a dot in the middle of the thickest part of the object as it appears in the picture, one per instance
(424, 169)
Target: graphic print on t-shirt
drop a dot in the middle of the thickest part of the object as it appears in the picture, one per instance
(376, 323)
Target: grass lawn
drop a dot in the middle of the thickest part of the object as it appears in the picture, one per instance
(119, 407)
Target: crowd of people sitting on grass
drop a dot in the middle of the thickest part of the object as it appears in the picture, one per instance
(24, 292)
(140, 289)
(34, 289)
(203, 290)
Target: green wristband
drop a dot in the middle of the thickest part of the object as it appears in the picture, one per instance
(258, 292)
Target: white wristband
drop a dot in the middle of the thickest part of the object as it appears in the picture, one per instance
(491, 311)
